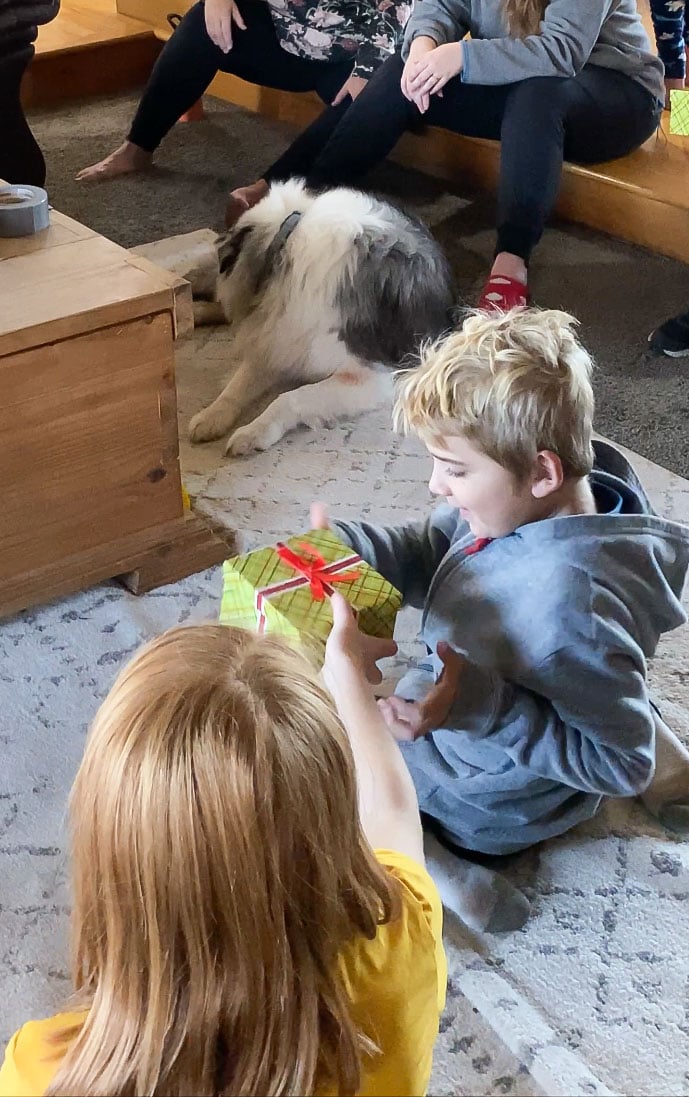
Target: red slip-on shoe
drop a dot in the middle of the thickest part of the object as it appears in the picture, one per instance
(500, 294)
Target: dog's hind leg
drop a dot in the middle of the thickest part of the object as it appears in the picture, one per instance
(347, 392)
(249, 381)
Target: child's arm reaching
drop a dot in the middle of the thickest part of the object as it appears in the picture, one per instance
(407, 556)
(387, 801)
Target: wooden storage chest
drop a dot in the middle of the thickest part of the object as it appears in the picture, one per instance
(89, 462)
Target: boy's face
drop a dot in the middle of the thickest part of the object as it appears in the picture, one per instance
(492, 500)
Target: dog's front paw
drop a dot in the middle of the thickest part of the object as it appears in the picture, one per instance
(251, 438)
(206, 426)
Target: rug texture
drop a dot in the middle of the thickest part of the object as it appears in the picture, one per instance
(592, 996)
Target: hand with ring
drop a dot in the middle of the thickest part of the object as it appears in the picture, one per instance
(435, 69)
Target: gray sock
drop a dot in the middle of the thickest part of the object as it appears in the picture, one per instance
(485, 901)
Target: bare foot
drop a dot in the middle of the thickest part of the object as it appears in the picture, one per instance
(242, 199)
(127, 158)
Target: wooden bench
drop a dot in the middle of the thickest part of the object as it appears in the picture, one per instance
(89, 49)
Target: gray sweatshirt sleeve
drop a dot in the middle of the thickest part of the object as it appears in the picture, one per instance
(589, 726)
(442, 20)
(569, 31)
(407, 556)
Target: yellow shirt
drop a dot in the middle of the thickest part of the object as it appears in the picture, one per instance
(396, 984)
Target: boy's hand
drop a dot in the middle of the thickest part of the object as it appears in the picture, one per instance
(409, 720)
(319, 517)
(348, 648)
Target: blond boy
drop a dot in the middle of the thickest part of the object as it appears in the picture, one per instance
(546, 571)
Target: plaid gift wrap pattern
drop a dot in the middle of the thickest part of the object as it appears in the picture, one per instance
(679, 112)
(284, 589)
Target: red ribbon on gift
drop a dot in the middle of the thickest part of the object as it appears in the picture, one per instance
(312, 569)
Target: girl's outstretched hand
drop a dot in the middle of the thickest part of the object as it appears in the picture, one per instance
(349, 649)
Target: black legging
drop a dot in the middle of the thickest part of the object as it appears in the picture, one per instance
(190, 60)
(21, 160)
(597, 115)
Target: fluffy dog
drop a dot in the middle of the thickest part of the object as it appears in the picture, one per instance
(324, 293)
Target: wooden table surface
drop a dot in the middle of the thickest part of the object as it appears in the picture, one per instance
(68, 279)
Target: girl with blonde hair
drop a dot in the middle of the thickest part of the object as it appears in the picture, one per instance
(552, 80)
(234, 931)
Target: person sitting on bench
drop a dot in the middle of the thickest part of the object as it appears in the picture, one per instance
(549, 80)
(332, 48)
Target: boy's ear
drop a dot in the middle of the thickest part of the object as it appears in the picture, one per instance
(548, 475)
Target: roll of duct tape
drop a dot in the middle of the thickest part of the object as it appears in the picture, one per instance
(23, 210)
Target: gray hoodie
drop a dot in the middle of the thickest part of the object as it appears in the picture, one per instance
(574, 33)
(558, 620)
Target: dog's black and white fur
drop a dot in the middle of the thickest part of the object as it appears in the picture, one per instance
(324, 293)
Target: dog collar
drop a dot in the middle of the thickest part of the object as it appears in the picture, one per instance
(276, 247)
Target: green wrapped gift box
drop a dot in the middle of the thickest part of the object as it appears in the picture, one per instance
(284, 589)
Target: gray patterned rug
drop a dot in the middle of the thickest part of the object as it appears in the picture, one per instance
(591, 997)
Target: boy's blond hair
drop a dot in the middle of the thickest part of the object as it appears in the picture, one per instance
(512, 383)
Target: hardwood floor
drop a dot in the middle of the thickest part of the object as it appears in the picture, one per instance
(83, 23)
(89, 49)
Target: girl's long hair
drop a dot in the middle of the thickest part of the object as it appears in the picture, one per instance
(219, 869)
(524, 16)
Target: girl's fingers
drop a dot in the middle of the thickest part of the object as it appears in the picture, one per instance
(343, 617)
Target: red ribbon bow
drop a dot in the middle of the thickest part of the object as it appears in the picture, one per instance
(313, 566)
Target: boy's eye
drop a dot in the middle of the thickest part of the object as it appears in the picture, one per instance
(455, 472)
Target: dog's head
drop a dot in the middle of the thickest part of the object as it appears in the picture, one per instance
(257, 228)
(249, 253)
